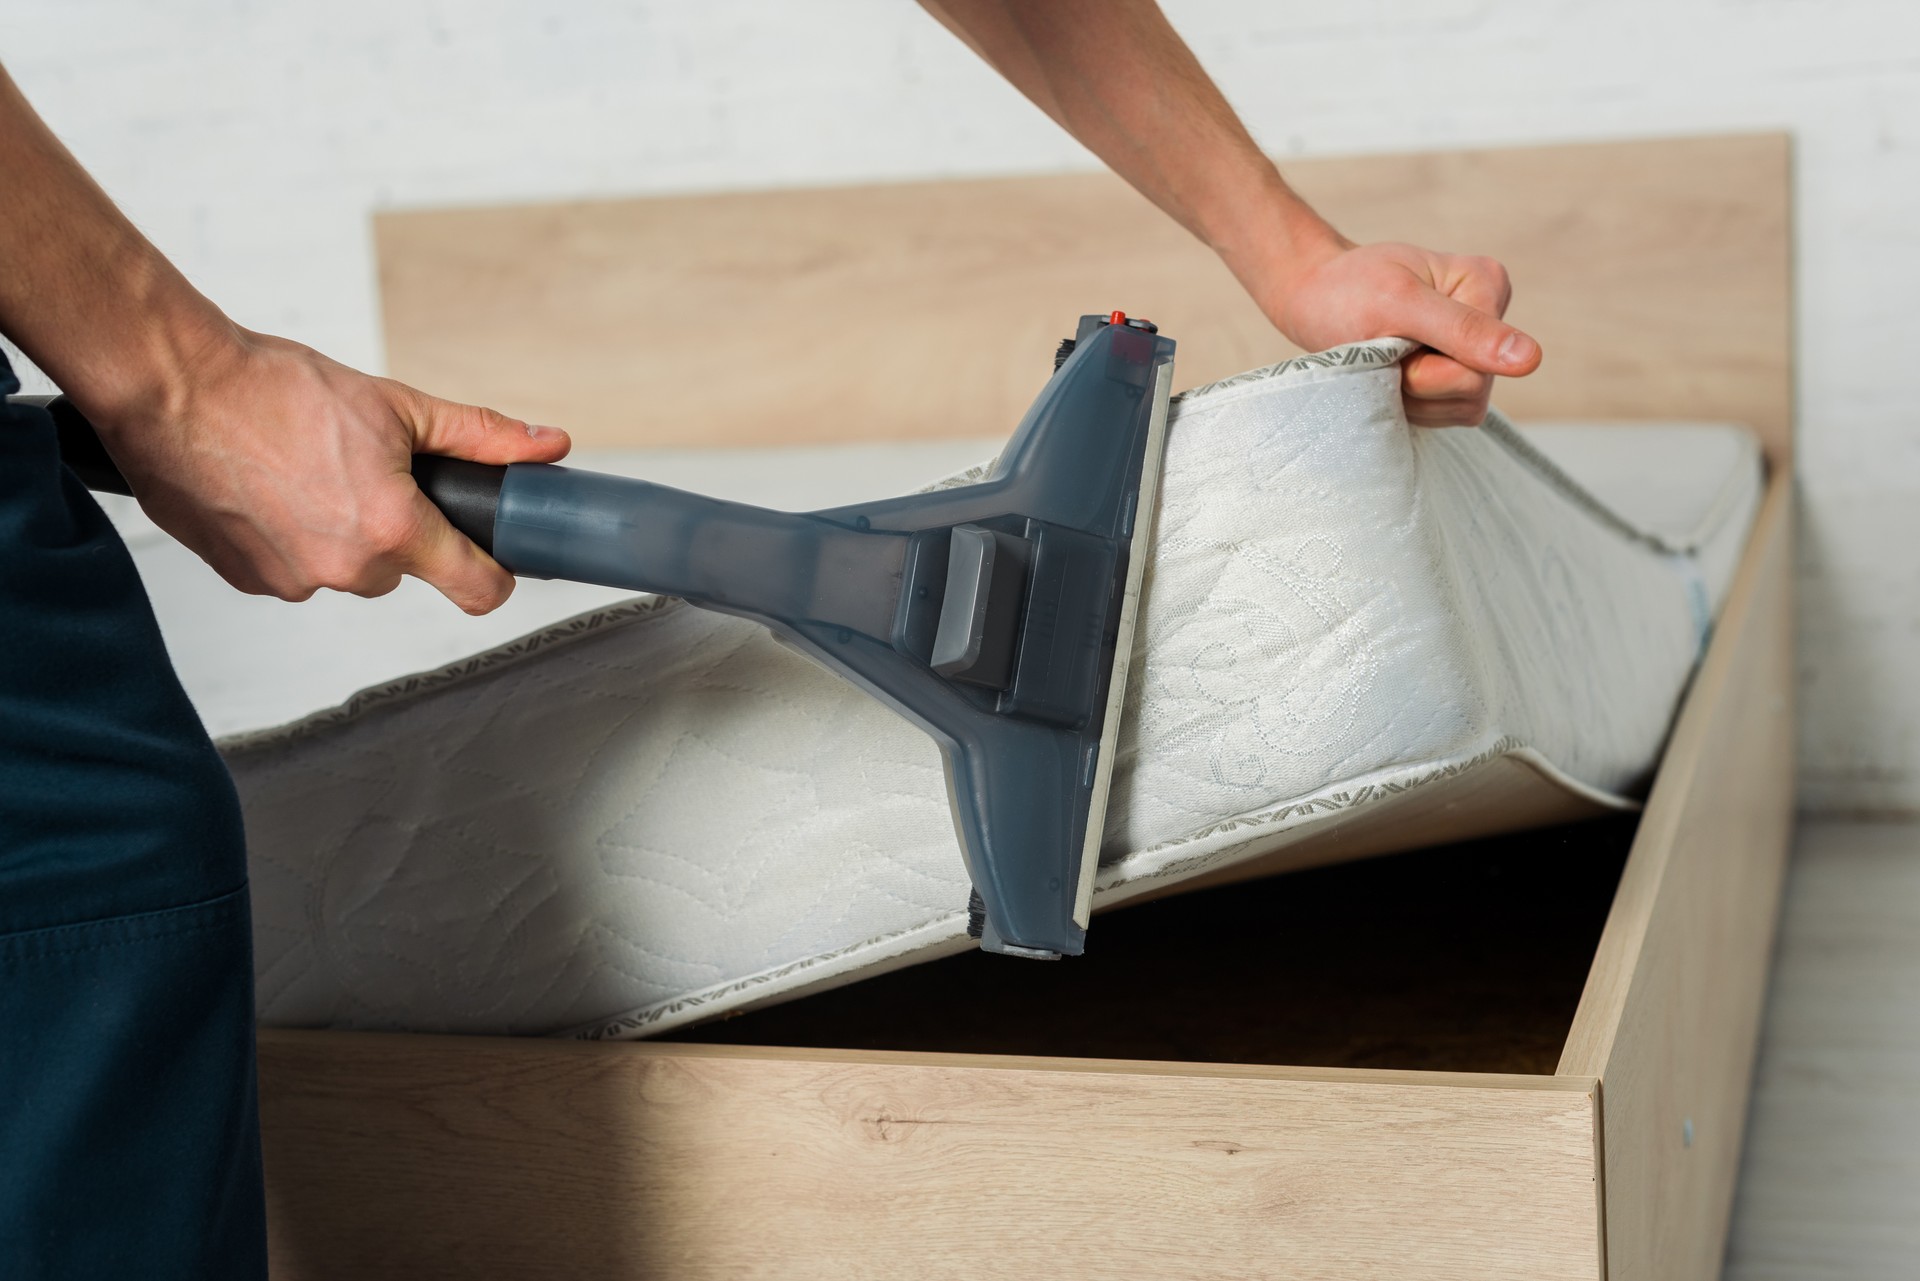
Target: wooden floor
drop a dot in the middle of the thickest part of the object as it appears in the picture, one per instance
(1830, 1183)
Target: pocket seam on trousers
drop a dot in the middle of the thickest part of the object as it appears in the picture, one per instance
(79, 937)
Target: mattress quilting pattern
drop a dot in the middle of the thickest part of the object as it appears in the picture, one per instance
(652, 814)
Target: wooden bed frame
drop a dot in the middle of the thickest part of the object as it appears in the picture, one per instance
(1526, 1058)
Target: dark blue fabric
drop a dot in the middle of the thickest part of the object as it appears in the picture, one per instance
(129, 1131)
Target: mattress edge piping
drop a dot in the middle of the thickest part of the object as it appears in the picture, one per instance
(1320, 806)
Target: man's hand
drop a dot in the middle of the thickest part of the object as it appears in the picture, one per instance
(288, 472)
(1116, 76)
(1451, 303)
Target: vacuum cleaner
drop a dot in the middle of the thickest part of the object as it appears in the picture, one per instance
(997, 616)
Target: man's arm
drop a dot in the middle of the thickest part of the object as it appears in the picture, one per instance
(1116, 76)
(286, 471)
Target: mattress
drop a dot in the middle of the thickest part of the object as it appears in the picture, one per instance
(1356, 638)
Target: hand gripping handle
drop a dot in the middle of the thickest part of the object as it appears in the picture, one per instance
(467, 493)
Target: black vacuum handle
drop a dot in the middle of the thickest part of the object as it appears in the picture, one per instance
(468, 493)
(80, 447)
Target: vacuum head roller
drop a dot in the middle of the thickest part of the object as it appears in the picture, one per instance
(997, 616)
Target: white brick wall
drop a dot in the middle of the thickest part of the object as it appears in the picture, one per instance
(252, 137)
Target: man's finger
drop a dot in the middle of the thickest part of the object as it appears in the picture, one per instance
(1481, 283)
(1446, 413)
(379, 586)
(1472, 337)
(483, 435)
(1430, 375)
(442, 556)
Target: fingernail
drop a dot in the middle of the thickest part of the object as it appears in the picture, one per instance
(1518, 349)
(540, 432)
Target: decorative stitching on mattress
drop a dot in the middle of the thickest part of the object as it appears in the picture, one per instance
(1501, 429)
(1359, 355)
(369, 699)
(1352, 356)
(1246, 830)
(1113, 876)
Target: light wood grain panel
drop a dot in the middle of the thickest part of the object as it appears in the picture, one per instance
(1502, 796)
(423, 1157)
(1657, 274)
(1654, 272)
(1465, 959)
(1671, 1011)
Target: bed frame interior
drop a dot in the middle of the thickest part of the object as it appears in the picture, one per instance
(1469, 958)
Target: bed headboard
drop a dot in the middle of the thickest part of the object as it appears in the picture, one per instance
(1655, 273)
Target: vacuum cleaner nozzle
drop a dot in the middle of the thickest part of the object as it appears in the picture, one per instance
(998, 616)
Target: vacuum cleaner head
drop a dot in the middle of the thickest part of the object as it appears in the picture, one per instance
(1015, 620)
(997, 616)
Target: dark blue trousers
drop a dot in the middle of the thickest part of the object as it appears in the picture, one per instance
(129, 1130)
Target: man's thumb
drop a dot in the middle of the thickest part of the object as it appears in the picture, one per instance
(483, 435)
(1480, 341)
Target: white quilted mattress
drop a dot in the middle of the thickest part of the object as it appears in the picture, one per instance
(1357, 637)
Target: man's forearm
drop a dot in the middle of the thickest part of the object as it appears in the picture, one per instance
(1116, 76)
(285, 471)
(84, 294)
